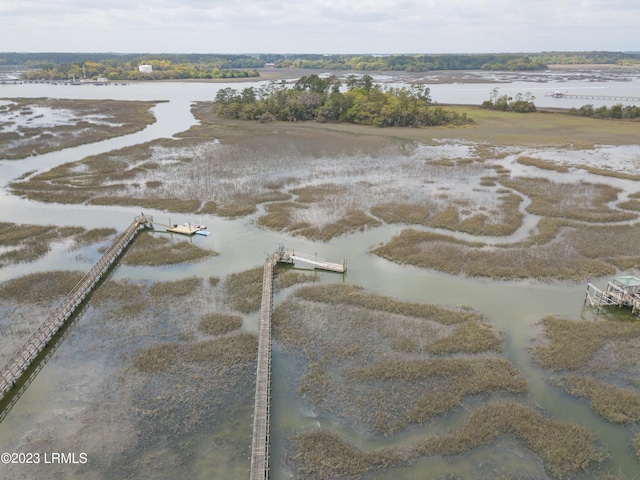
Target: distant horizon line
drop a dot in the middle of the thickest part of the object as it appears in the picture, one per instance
(318, 53)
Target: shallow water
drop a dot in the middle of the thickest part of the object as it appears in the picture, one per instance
(66, 389)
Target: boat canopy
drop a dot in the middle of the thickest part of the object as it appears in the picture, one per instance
(627, 280)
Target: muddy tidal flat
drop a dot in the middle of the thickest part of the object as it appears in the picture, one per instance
(456, 346)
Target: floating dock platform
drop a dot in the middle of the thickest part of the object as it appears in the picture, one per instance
(286, 255)
(187, 229)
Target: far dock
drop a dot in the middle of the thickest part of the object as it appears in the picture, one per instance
(626, 98)
(286, 255)
(622, 291)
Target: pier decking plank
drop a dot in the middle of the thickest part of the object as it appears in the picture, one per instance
(23, 358)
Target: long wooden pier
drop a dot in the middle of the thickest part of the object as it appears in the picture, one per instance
(260, 441)
(21, 360)
(261, 411)
(589, 96)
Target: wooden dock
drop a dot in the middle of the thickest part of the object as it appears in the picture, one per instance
(286, 255)
(260, 440)
(626, 98)
(622, 291)
(23, 358)
(261, 412)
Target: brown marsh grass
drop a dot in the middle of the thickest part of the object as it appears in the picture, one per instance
(244, 290)
(320, 454)
(175, 288)
(617, 405)
(360, 352)
(356, 296)
(583, 201)
(40, 288)
(565, 449)
(112, 291)
(560, 249)
(117, 118)
(504, 222)
(219, 323)
(445, 382)
(31, 242)
(603, 358)
(285, 278)
(542, 164)
(569, 345)
(225, 351)
(152, 250)
(156, 358)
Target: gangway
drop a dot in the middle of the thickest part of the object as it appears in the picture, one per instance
(286, 255)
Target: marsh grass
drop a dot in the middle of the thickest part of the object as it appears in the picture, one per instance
(616, 405)
(356, 296)
(175, 288)
(542, 164)
(320, 454)
(168, 204)
(444, 383)
(224, 351)
(285, 278)
(632, 204)
(219, 323)
(583, 201)
(40, 288)
(118, 118)
(576, 256)
(31, 242)
(278, 215)
(471, 337)
(569, 345)
(244, 290)
(94, 235)
(603, 358)
(351, 221)
(112, 291)
(152, 250)
(156, 358)
(565, 449)
(359, 351)
(504, 222)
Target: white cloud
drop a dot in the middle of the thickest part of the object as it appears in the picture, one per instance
(319, 26)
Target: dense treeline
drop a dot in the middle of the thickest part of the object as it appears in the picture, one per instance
(618, 111)
(39, 60)
(422, 63)
(58, 66)
(413, 63)
(520, 103)
(162, 70)
(322, 100)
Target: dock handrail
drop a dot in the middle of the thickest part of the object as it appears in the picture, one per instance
(21, 360)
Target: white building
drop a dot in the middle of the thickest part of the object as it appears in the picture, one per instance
(145, 68)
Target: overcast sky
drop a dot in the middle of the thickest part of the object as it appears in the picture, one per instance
(318, 26)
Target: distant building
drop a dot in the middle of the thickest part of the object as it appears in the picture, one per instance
(145, 68)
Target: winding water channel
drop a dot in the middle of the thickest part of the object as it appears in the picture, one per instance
(513, 307)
